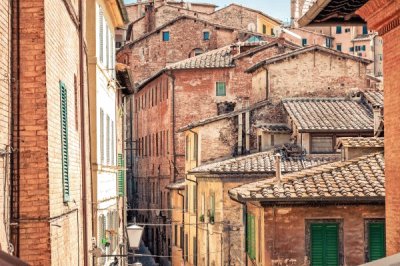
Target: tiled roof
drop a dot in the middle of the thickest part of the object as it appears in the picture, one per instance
(361, 178)
(178, 185)
(364, 37)
(307, 49)
(375, 98)
(218, 58)
(275, 128)
(360, 142)
(249, 9)
(330, 11)
(261, 163)
(333, 114)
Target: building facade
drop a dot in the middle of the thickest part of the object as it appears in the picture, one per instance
(383, 17)
(51, 203)
(107, 143)
(344, 225)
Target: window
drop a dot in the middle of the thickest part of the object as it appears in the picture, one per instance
(165, 36)
(339, 47)
(259, 142)
(195, 250)
(195, 146)
(365, 30)
(211, 210)
(250, 236)
(328, 42)
(351, 49)
(194, 195)
(187, 148)
(338, 29)
(304, 42)
(108, 140)
(375, 233)
(64, 141)
(221, 89)
(264, 29)
(186, 248)
(101, 124)
(321, 144)
(363, 48)
(176, 235)
(347, 30)
(272, 32)
(101, 34)
(206, 35)
(272, 140)
(324, 243)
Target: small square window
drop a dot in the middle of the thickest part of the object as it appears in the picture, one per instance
(165, 36)
(338, 29)
(221, 89)
(339, 47)
(206, 36)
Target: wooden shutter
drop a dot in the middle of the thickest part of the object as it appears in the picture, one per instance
(253, 237)
(101, 34)
(324, 244)
(121, 175)
(108, 140)
(377, 241)
(101, 124)
(64, 141)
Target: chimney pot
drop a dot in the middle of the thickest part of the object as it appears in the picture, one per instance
(278, 169)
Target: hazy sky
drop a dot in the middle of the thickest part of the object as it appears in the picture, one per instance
(277, 8)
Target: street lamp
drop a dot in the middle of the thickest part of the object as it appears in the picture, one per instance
(135, 233)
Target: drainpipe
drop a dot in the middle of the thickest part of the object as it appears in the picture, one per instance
(83, 142)
(183, 222)
(169, 74)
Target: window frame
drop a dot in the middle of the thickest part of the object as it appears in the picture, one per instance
(206, 35)
(304, 41)
(367, 222)
(309, 222)
(339, 29)
(217, 88)
(166, 36)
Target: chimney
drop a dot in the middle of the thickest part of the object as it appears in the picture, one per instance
(377, 118)
(278, 170)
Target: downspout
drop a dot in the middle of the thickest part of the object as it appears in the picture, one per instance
(83, 142)
(12, 81)
(183, 222)
(169, 74)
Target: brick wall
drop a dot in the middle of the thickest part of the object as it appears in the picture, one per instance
(235, 16)
(284, 226)
(5, 116)
(50, 231)
(319, 76)
(392, 144)
(147, 56)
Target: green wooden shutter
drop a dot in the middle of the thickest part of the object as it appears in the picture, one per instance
(377, 242)
(64, 141)
(253, 237)
(121, 175)
(221, 89)
(324, 244)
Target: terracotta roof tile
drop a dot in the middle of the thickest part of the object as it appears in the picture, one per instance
(359, 178)
(360, 142)
(262, 162)
(334, 114)
(375, 98)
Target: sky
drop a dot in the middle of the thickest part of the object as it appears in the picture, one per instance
(276, 8)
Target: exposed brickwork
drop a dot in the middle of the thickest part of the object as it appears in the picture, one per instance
(50, 231)
(148, 55)
(392, 144)
(284, 226)
(5, 116)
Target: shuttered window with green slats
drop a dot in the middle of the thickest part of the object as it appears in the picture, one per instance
(376, 240)
(251, 236)
(324, 244)
(64, 141)
(121, 175)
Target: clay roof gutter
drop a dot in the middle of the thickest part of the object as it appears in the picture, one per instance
(307, 201)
